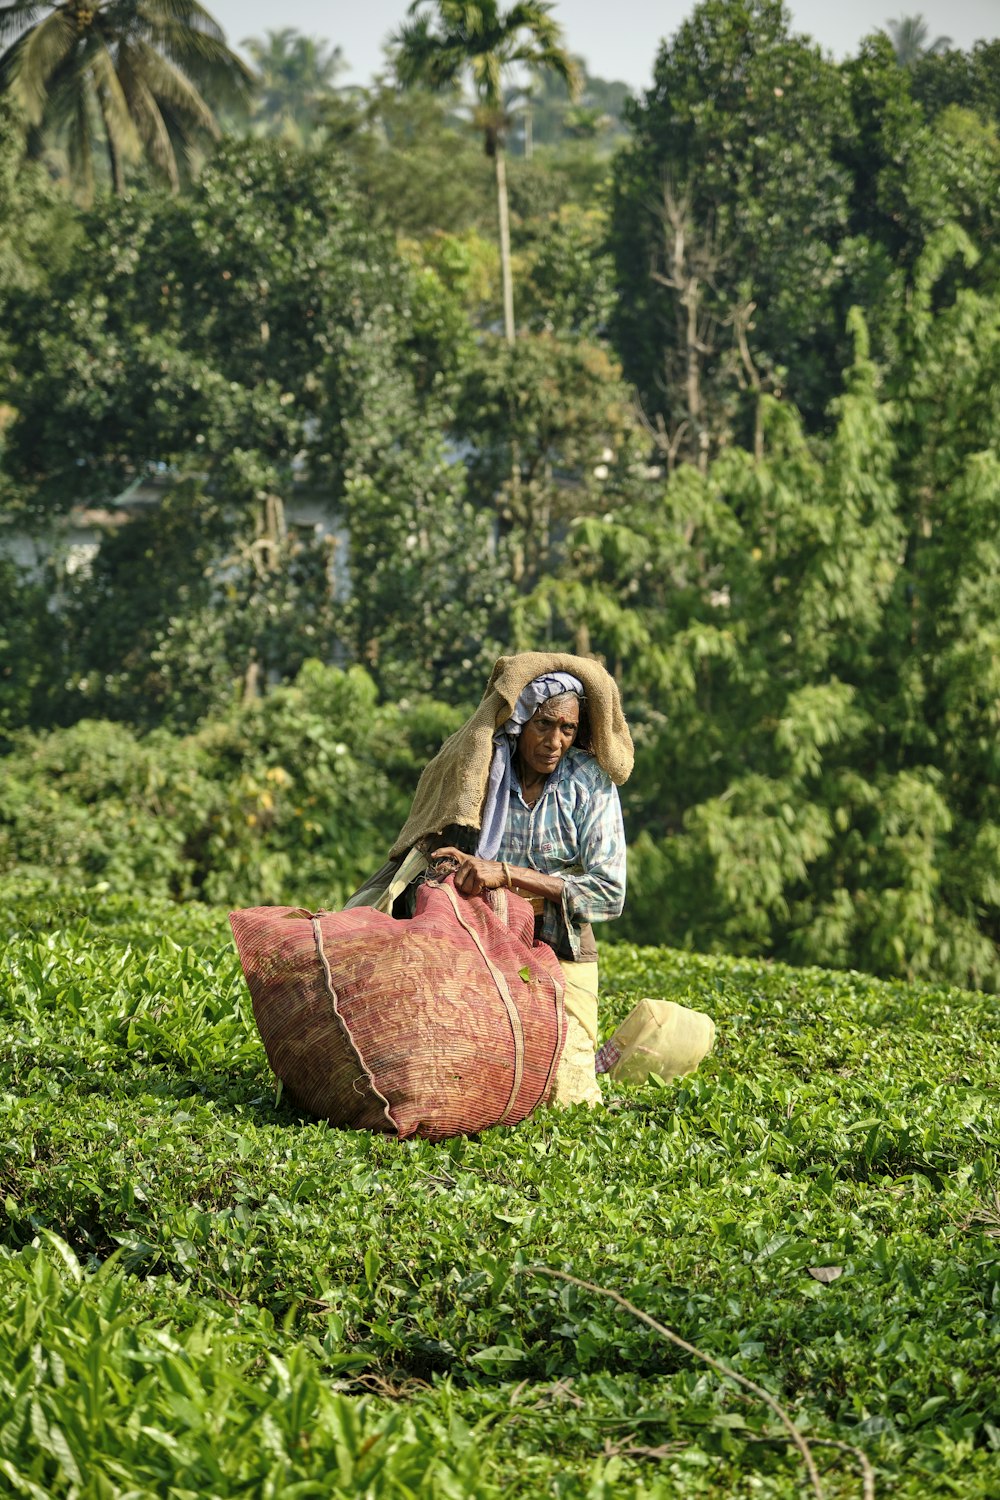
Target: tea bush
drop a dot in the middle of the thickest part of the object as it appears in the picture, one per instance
(205, 1294)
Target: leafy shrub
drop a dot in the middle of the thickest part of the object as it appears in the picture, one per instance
(29, 650)
(292, 798)
(190, 1408)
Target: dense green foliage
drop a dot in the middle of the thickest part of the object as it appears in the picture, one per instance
(732, 192)
(297, 795)
(818, 765)
(255, 337)
(204, 1294)
(764, 192)
(786, 549)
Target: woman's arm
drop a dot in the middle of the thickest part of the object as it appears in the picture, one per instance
(597, 892)
(473, 876)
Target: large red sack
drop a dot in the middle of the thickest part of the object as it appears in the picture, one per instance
(440, 1025)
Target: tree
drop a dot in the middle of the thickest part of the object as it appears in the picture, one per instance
(254, 341)
(569, 276)
(916, 168)
(411, 157)
(38, 233)
(946, 391)
(193, 331)
(729, 212)
(481, 40)
(808, 644)
(970, 80)
(294, 75)
(542, 420)
(36, 222)
(145, 74)
(910, 40)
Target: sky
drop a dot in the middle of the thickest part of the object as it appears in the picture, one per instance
(618, 39)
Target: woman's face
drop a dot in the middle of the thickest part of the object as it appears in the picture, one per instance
(549, 733)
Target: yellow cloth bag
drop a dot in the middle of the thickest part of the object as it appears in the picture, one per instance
(575, 1081)
(581, 995)
(659, 1036)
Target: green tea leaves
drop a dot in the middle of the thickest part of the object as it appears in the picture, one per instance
(202, 1291)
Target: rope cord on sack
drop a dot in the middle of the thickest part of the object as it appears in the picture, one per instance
(505, 995)
(499, 901)
(558, 989)
(328, 979)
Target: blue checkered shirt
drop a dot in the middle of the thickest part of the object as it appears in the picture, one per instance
(575, 831)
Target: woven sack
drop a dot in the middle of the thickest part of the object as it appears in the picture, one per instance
(439, 1025)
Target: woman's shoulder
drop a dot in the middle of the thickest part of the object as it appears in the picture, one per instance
(586, 771)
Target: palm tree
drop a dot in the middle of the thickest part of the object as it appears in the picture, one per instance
(909, 36)
(138, 72)
(294, 74)
(478, 39)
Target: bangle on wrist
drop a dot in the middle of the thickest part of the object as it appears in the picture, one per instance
(508, 882)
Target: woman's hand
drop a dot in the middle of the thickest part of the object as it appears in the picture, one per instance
(472, 875)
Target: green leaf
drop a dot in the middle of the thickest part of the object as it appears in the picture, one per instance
(499, 1354)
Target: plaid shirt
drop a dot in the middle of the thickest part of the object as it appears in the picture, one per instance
(574, 831)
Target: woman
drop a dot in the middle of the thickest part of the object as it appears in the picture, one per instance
(524, 795)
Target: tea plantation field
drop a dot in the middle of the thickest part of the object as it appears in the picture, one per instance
(202, 1294)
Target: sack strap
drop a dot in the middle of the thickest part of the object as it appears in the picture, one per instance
(498, 899)
(503, 990)
(332, 993)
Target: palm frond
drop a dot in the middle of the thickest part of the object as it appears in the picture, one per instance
(78, 152)
(17, 16)
(534, 16)
(148, 119)
(28, 64)
(206, 60)
(419, 56)
(187, 14)
(169, 85)
(113, 104)
(552, 59)
(187, 145)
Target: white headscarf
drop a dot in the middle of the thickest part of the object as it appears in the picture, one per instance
(501, 779)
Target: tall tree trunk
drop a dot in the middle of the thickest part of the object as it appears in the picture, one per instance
(689, 262)
(117, 169)
(691, 302)
(503, 214)
(115, 162)
(518, 558)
